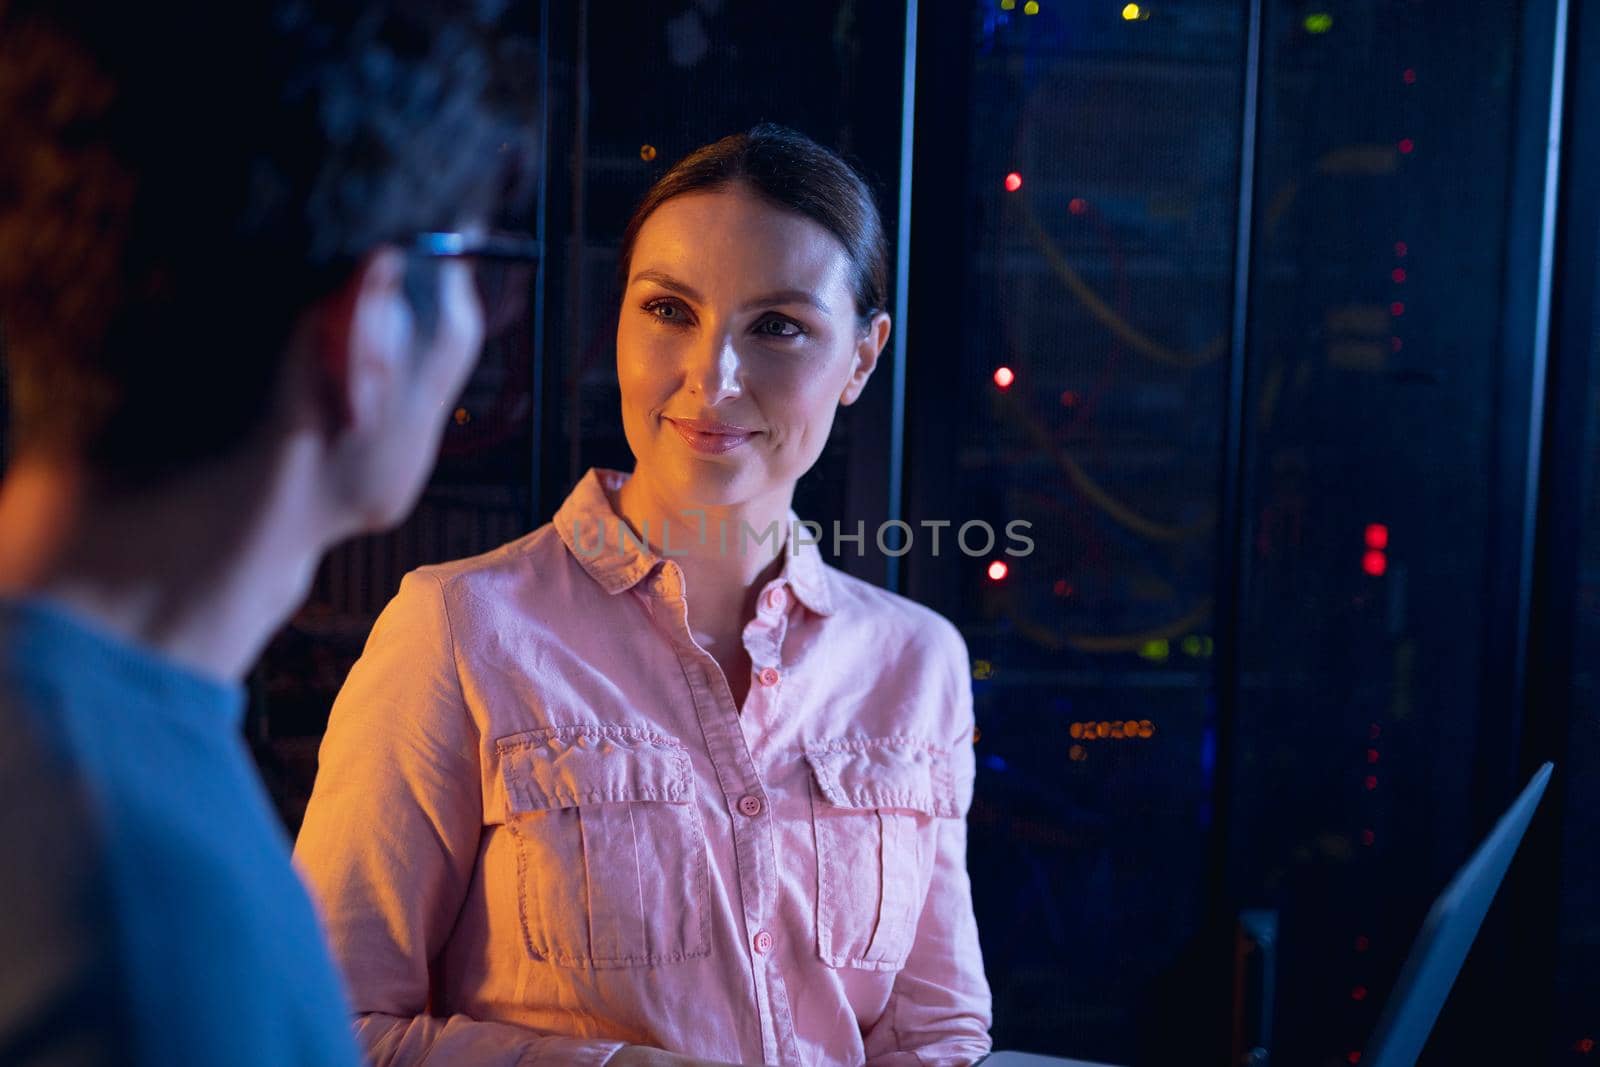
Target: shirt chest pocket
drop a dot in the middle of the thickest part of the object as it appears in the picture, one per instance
(611, 857)
(876, 806)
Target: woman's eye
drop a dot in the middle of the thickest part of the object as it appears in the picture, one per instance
(779, 328)
(665, 310)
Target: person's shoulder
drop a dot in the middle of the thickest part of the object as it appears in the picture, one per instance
(914, 624)
(533, 576)
(533, 549)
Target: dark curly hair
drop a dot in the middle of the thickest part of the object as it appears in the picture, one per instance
(180, 181)
(793, 172)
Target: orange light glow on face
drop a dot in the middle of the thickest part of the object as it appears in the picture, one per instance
(1004, 376)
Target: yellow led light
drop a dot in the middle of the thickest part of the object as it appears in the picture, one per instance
(1132, 13)
(1008, 5)
(1031, 7)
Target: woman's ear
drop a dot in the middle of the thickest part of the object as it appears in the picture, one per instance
(363, 339)
(868, 348)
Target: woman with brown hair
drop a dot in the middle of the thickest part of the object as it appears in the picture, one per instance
(655, 784)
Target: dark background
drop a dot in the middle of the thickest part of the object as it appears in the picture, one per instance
(1282, 282)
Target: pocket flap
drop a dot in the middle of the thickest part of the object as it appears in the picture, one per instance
(566, 766)
(885, 772)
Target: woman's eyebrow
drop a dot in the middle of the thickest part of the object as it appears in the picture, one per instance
(780, 296)
(786, 296)
(667, 281)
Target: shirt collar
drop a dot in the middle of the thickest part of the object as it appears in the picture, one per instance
(590, 528)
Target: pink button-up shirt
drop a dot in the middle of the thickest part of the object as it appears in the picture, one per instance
(541, 828)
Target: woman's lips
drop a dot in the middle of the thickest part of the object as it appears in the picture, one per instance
(711, 438)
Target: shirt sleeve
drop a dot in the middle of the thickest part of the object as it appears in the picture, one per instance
(939, 1010)
(390, 839)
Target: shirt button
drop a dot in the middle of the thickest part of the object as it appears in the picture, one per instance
(763, 942)
(768, 676)
(775, 599)
(750, 805)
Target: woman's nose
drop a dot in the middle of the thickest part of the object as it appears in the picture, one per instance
(717, 369)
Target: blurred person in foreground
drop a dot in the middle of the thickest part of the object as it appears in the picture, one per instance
(237, 255)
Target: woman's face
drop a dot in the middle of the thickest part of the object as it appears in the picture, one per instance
(737, 341)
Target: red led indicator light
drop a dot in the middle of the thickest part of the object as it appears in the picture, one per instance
(998, 570)
(1358, 993)
(1004, 376)
(1367, 838)
(1400, 249)
(1375, 563)
(1397, 309)
(1013, 182)
(1371, 783)
(1406, 146)
(1399, 275)
(1409, 76)
(1377, 535)
(1078, 205)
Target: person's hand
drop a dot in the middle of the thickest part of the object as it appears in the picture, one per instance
(640, 1056)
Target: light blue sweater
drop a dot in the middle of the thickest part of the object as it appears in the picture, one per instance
(148, 911)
